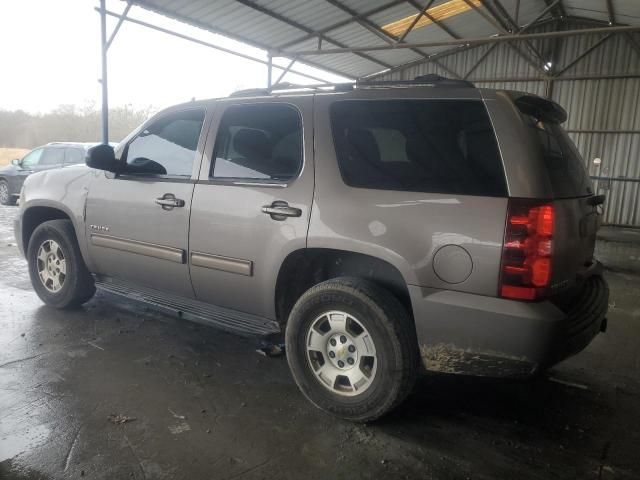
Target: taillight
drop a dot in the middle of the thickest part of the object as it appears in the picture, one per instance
(527, 250)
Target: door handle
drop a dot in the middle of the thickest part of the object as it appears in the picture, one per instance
(280, 210)
(169, 201)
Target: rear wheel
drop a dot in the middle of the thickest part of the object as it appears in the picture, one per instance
(5, 197)
(352, 349)
(57, 270)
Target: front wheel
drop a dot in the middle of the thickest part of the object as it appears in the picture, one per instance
(56, 267)
(5, 197)
(352, 348)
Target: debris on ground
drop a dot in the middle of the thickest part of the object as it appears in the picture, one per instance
(180, 428)
(567, 383)
(175, 415)
(273, 350)
(120, 419)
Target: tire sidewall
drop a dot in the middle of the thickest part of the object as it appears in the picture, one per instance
(64, 296)
(388, 356)
(8, 201)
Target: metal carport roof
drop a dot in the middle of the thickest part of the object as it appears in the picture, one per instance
(379, 28)
(360, 39)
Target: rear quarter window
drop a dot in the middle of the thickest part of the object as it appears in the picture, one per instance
(438, 146)
(564, 165)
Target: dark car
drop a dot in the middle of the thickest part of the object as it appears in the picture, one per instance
(52, 155)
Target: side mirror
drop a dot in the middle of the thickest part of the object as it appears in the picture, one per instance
(102, 157)
(16, 162)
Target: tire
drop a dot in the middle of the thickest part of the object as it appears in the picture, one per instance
(5, 197)
(391, 339)
(76, 286)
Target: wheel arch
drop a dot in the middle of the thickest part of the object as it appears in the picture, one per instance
(36, 215)
(304, 268)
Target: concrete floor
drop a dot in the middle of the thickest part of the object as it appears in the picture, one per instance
(207, 406)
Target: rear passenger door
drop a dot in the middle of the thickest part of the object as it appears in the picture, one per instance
(252, 203)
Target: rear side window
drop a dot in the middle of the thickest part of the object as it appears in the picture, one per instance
(565, 168)
(167, 146)
(258, 142)
(52, 157)
(73, 156)
(438, 146)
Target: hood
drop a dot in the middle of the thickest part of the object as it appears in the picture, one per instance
(9, 168)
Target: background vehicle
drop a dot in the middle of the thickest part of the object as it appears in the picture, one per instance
(52, 155)
(382, 226)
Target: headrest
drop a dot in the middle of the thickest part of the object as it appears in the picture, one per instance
(252, 143)
(363, 141)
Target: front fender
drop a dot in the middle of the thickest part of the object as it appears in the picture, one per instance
(64, 190)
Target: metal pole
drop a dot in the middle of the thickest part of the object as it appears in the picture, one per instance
(269, 70)
(103, 80)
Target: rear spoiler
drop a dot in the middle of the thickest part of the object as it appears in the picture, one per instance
(541, 108)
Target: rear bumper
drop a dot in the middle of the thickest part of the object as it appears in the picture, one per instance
(475, 335)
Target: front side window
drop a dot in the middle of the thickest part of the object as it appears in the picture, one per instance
(436, 146)
(32, 159)
(258, 142)
(52, 157)
(166, 146)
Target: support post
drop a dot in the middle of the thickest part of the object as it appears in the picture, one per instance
(103, 80)
(269, 70)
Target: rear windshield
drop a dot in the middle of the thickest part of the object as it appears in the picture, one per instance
(565, 168)
(439, 146)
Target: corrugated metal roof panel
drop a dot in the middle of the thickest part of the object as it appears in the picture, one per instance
(269, 24)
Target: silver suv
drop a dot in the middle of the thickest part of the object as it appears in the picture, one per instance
(383, 228)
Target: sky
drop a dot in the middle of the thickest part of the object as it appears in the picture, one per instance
(50, 56)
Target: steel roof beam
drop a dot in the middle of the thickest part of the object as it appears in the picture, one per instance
(467, 41)
(119, 24)
(190, 21)
(494, 20)
(387, 37)
(415, 21)
(584, 54)
(503, 11)
(558, 7)
(435, 21)
(342, 23)
(480, 60)
(207, 44)
(611, 12)
(299, 26)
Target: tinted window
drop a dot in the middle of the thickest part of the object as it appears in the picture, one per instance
(52, 157)
(73, 156)
(167, 146)
(32, 159)
(565, 167)
(259, 142)
(440, 146)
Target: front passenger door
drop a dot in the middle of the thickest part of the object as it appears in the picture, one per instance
(138, 220)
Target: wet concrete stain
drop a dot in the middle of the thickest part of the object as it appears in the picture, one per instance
(64, 373)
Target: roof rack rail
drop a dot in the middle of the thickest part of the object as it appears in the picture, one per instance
(430, 80)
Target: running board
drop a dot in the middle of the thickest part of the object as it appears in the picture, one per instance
(194, 310)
